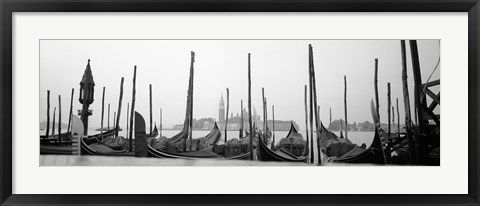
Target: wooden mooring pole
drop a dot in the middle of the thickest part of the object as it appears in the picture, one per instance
(319, 154)
(192, 61)
(421, 108)
(266, 122)
(311, 99)
(273, 126)
(330, 117)
(314, 106)
(48, 115)
(393, 116)
(128, 107)
(389, 104)
(59, 119)
(108, 118)
(250, 108)
(376, 90)
(264, 113)
(53, 122)
(151, 111)
(161, 122)
(226, 118)
(103, 108)
(70, 113)
(114, 116)
(406, 100)
(306, 122)
(117, 127)
(345, 98)
(240, 134)
(132, 110)
(398, 120)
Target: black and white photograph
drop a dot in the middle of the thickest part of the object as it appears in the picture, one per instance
(237, 102)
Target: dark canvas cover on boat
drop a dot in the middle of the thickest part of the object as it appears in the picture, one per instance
(353, 153)
(337, 148)
(293, 143)
(202, 153)
(101, 148)
(115, 143)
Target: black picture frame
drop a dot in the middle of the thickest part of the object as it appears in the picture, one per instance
(7, 7)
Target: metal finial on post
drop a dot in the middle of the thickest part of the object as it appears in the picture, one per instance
(86, 95)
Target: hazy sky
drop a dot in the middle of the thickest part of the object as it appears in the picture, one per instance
(280, 66)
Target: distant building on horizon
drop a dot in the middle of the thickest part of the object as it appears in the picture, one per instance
(235, 122)
(221, 110)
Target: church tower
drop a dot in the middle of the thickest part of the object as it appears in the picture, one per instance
(221, 110)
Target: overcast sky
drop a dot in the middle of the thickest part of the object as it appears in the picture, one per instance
(280, 66)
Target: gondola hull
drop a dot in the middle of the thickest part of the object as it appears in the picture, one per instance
(85, 149)
(58, 150)
(53, 147)
(373, 155)
(265, 154)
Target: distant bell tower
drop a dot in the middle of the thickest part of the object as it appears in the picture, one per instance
(86, 96)
(221, 110)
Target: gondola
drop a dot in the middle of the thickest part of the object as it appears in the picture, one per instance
(52, 146)
(93, 146)
(293, 143)
(152, 152)
(266, 154)
(206, 153)
(372, 155)
(53, 140)
(66, 148)
(88, 146)
(243, 149)
(87, 149)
